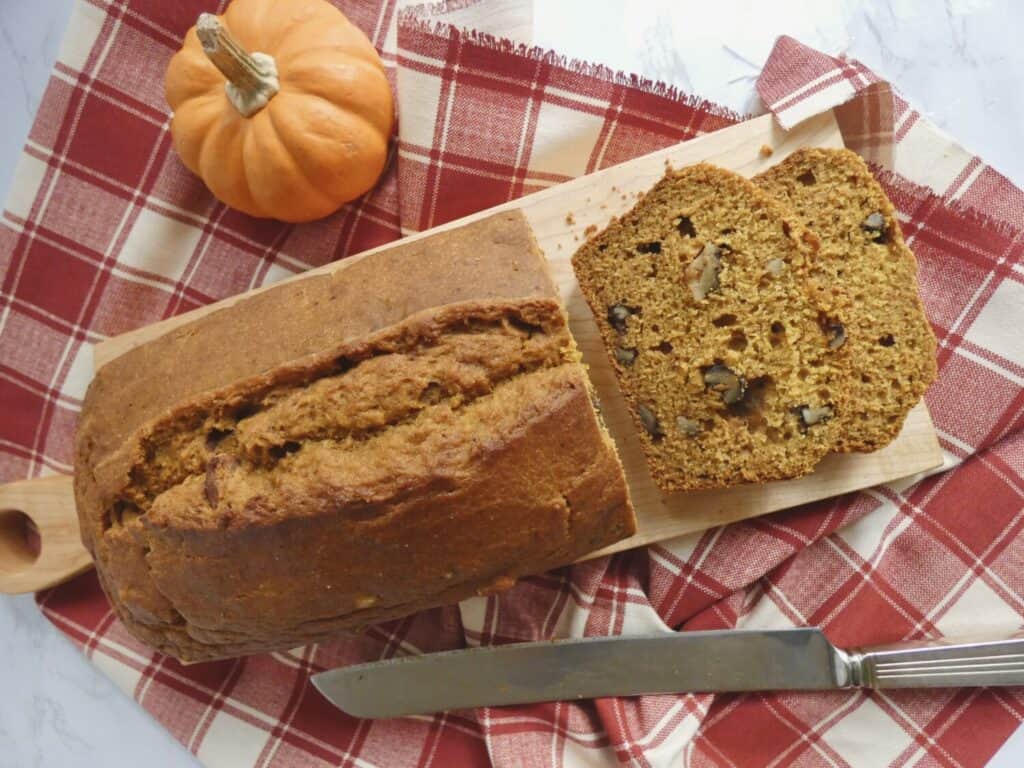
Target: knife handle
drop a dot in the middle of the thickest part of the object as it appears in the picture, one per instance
(939, 664)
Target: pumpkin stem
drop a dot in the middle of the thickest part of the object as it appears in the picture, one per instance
(251, 77)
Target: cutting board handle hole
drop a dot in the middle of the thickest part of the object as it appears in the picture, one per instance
(20, 542)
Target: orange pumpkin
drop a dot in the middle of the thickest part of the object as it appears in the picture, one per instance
(281, 107)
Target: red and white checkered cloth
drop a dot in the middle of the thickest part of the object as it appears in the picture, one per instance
(105, 231)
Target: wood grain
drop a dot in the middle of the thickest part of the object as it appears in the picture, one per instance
(49, 503)
(665, 516)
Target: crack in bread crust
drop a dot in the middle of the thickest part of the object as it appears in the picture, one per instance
(351, 401)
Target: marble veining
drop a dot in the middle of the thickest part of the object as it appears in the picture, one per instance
(960, 61)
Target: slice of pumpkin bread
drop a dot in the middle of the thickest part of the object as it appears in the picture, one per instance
(890, 344)
(720, 337)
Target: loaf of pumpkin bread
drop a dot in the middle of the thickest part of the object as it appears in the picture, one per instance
(403, 433)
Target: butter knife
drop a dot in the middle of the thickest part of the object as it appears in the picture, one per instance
(716, 661)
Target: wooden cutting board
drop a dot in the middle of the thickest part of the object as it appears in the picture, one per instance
(561, 217)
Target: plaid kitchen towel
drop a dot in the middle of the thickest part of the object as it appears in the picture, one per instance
(104, 231)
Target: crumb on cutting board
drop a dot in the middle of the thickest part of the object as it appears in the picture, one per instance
(766, 151)
(570, 219)
(591, 229)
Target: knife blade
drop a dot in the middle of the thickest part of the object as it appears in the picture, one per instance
(712, 661)
(585, 668)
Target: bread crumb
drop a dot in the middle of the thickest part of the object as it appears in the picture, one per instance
(766, 151)
(559, 246)
(591, 229)
(570, 219)
(623, 195)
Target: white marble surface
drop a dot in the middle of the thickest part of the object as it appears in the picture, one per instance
(961, 61)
